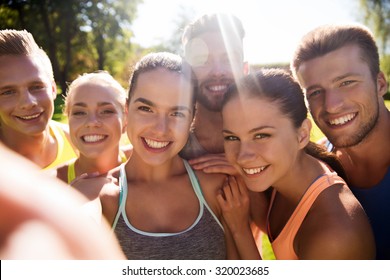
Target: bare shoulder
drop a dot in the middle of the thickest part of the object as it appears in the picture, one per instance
(210, 182)
(110, 195)
(343, 233)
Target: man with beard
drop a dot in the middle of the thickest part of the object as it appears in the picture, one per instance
(27, 93)
(338, 69)
(213, 48)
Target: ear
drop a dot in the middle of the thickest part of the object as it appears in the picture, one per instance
(381, 84)
(246, 68)
(304, 133)
(54, 89)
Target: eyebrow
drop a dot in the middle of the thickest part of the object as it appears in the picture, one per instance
(6, 88)
(252, 130)
(83, 104)
(152, 104)
(338, 78)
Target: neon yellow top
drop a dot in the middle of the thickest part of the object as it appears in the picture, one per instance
(72, 172)
(65, 151)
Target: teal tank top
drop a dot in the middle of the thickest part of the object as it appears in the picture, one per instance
(203, 240)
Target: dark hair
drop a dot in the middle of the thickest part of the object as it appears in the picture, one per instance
(278, 86)
(328, 38)
(218, 22)
(152, 61)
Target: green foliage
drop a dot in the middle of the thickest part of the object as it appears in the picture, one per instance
(78, 35)
(385, 66)
(376, 15)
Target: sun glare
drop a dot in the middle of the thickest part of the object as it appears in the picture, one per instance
(272, 28)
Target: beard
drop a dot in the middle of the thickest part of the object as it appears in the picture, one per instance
(360, 135)
(212, 101)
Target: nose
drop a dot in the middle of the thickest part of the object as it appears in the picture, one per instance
(27, 100)
(333, 101)
(93, 121)
(161, 124)
(246, 154)
(219, 68)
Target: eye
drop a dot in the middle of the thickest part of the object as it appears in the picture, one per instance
(144, 108)
(262, 135)
(347, 83)
(7, 92)
(37, 87)
(313, 93)
(231, 138)
(78, 113)
(199, 60)
(108, 112)
(178, 114)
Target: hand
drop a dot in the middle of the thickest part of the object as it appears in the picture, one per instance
(235, 204)
(94, 178)
(213, 163)
(91, 185)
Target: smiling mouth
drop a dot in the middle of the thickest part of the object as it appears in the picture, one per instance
(342, 120)
(156, 144)
(93, 138)
(217, 88)
(29, 117)
(252, 171)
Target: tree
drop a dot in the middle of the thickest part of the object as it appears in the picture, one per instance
(79, 36)
(377, 15)
(173, 44)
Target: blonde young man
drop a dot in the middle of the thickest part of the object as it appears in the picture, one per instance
(338, 68)
(27, 93)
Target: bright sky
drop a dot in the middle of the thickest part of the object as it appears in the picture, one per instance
(273, 27)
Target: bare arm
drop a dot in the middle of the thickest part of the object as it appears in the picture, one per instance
(343, 233)
(213, 163)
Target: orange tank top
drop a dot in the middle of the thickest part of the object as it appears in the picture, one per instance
(283, 245)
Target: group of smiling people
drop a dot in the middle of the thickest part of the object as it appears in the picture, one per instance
(218, 153)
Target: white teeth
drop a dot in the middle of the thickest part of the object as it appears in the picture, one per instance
(342, 120)
(218, 88)
(93, 138)
(252, 171)
(156, 144)
(30, 117)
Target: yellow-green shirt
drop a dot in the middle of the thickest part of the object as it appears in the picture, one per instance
(65, 151)
(72, 172)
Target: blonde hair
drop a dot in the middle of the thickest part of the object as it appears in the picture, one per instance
(21, 42)
(102, 78)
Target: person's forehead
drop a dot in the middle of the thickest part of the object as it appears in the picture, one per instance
(15, 68)
(214, 41)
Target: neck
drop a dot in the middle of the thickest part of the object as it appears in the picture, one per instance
(40, 148)
(139, 170)
(208, 129)
(102, 164)
(299, 178)
(367, 162)
(373, 149)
